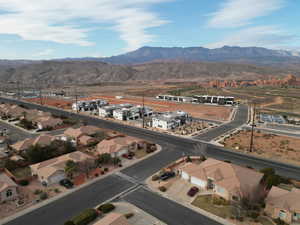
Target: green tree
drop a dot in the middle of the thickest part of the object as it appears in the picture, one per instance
(70, 168)
(103, 159)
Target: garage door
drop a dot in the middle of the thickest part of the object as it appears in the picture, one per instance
(198, 182)
(56, 178)
(121, 152)
(185, 176)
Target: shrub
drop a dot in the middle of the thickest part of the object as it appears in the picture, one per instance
(253, 215)
(105, 169)
(69, 222)
(43, 195)
(37, 192)
(155, 177)
(106, 208)
(129, 215)
(219, 201)
(162, 188)
(85, 217)
(241, 219)
(56, 190)
(278, 221)
(24, 182)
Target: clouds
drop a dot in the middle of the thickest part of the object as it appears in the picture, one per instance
(45, 52)
(242, 19)
(237, 13)
(67, 22)
(262, 36)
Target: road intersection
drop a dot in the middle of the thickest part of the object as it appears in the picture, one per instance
(173, 147)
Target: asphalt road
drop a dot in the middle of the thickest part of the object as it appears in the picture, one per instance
(57, 212)
(145, 168)
(184, 145)
(166, 210)
(15, 134)
(173, 147)
(241, 118)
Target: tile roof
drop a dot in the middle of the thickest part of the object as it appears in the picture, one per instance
(6, 182)
(23, 145)
(232, 177)
(113, 219)
(115, 144)
(284, 199)
(49, 167)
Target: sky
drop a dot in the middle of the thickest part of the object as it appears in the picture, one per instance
(46, 29)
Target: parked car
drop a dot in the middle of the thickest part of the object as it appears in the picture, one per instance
(131, 154)
(193, 191)
(127, 156)
(167, 175)
(66, 183)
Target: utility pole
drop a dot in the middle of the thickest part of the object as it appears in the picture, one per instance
(76, 100)
(252, 128)
(143, 110)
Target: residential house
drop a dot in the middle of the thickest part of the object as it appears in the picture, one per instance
(227, 180)
(15, 112)
(48, 122)
(86, 140)
(117, 146)
(42, 140)
(52, 171)
(170, 120)
(74, 134)
(22, 145)
(113, 219)
(283, 204)
(107, 111)
(8, 188)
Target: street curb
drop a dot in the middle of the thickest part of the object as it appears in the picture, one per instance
(190, 206)
(62, 195)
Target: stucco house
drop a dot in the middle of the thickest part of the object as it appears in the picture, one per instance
(75, 133)
(48, 122)
(42, 140)
(86, 140)
(22, 145)
(117, 146)
(8, 188)
(226, 180)
(283, 204)
(113, 219)
(53, 170)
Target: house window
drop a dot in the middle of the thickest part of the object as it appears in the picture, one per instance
(282, 214)
(235, 198)
(9, 193)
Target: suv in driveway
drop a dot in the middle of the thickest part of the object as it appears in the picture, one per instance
(66, 183)
(193, 191)
(167, 175)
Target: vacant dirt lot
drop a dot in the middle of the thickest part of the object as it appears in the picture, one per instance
(60, 103)
(270, 146)
(221, 113)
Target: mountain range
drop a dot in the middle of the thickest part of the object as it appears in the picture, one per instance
(157, 63)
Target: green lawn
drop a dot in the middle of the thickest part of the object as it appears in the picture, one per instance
(264, 221)
(140, 153)
(205, 202)
(22, 172)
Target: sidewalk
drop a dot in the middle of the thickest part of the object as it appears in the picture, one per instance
(48, 201)
(188, 205)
